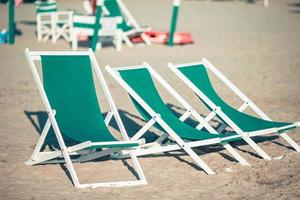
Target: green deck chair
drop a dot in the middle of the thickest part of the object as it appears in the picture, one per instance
(129, 26)
(69, 96)
(195, 75)
(138, 82)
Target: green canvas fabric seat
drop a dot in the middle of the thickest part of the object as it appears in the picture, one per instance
(195, 76)
(68, 93)
(174, 134)
(142, 83)
(199, 76)
(68, 82)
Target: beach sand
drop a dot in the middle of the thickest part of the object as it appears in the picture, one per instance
(257, 48)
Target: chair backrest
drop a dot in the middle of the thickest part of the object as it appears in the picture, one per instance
(114, 10)
(69, 86)
(110, 23)
(141, 82)
(46, 7)
(86, 24)
(198, 75)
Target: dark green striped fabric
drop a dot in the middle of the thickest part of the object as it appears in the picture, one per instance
(42, 7)
(141, 82)
(198, 75)
(69, 85)
(46, 11)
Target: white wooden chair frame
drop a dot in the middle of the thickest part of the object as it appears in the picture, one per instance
(246, 103)
(65, 31)
(131, 21)
(157, 146)
(47, 25)
(116, 33)
(65, 152)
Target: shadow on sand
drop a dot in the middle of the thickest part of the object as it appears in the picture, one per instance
(39, 118)
(294, 7)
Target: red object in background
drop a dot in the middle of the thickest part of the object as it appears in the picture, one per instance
(94, 4)
(18, 3)
(161, 37)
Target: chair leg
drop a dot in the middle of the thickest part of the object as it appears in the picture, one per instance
(39, 32)
(118, 40)
(290, 141)
(141, 181)
(74, 41)
(98, 46)
(259, 150)
(146, 39)
(198, 160)
(40, 141)
(53, 28)
(126, 40)
(137, 166)
(236, 155)
(48, 35)
(39, 28)
(71, 168)
(185, 147)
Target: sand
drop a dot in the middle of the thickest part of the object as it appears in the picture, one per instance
(258, 48)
